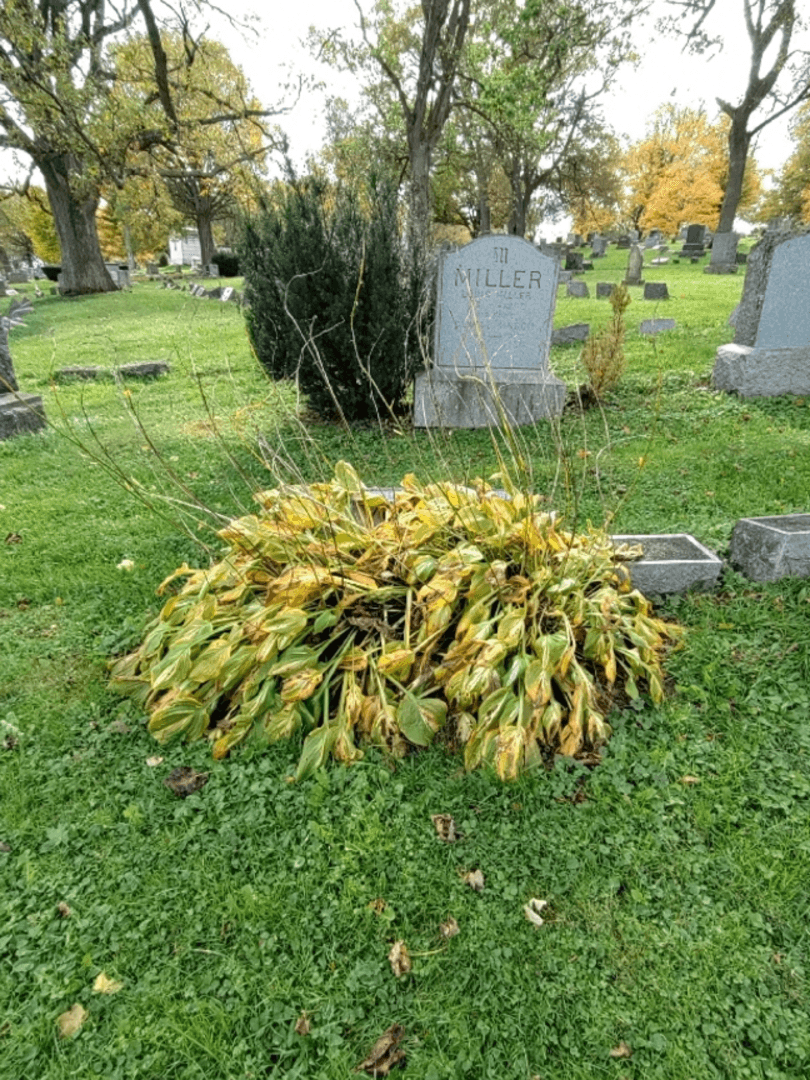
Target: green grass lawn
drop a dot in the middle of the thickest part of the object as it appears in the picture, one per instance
(675, 872)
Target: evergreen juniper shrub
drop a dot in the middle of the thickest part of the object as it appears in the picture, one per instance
(332, 300)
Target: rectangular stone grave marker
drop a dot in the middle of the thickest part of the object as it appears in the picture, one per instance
(604, 290)
(770, 548)
(656, 326)
(656, 290)
(567, 334)
(578, 289)
(494, 317)
(671, 563)
(770, 354)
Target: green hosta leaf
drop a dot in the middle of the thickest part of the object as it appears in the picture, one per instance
(420, 718)
(210, 662)
(174, 668)
(317, 747)
(325, 621)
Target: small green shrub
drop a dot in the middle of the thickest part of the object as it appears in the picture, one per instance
(227, 262)
(603, 353)
(360, 620)
(331, 297)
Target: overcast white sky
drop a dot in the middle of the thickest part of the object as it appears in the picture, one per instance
(664, 74)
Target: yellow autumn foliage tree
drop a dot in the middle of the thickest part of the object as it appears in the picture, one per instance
(678, 172)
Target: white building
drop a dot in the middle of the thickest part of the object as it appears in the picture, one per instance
(185, 250)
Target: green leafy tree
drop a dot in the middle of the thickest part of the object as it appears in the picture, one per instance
(791, 195)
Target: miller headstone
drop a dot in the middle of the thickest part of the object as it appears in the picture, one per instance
(770, 354)
(494, 318)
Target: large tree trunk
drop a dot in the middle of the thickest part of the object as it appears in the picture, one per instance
(520, 199)
(83, 269)
(419, 229)
(739, 140)
(206, 233)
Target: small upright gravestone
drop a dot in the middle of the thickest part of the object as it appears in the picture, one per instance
(770, 354)
(598, 247)
(574, 260)
(635, 265)
(656, 290)
(578, 289)
(494, 316)
(604, 290)
(694, 245)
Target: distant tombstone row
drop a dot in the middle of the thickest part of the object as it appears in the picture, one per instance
(770, 354)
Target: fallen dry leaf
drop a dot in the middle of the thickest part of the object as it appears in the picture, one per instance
(302, 1025)
(445, 827)
(532, 911)
(475, 879)
(185, 781)
(621, 1051)
(377, 906)
(449, 929)
(4, 846)
(153, 761)
(384, 1054)
(63, 910)
(690, 779)
(106, 985)
(399, 958)
(13, 538)
(71, 1021)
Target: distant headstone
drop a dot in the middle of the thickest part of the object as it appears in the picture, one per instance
(212, 270)
(656, 290)
(147, 369)
(152, 268)
(67, 374)
(564, 277)
(770, 354)
(568, 334)
(574, 260)
(604, 290)
(654, 239)
(494, 317)
(635, 265)
(656, 326)
(578, 289)
(227, 293)
(599, 247)
(724, 254)
(695, 243)
(659, 262)
(623, 243)
(18, 277)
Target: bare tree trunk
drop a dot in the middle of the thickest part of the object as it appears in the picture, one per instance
(419, 226)
(206, 233)
(83, 269)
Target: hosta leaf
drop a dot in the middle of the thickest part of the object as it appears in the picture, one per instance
(210, 662)
(420, 719)
(301, 685)
(318, 745)
(396, 663)
(509, 752)
(172, 669)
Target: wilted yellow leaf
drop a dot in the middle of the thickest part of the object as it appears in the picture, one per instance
(449, 929)
(445, 827)
(399, 958)
(475, 879)
(70, 1022)
(621, 1051)
(105, 985)
(532, 911)
(302, 1025)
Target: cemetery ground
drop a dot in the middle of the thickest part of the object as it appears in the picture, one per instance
(244, 930)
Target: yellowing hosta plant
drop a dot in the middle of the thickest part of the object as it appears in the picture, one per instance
(448, 611)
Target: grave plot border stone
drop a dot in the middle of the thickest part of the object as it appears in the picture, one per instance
(145, 369)
(771, 548)
(566, 335)
(671, 563)
(656, 326)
